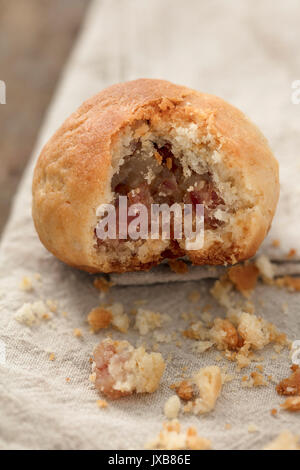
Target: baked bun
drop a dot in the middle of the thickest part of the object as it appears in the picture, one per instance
(154, 142)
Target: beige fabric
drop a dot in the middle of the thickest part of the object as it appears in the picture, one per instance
(248, 53)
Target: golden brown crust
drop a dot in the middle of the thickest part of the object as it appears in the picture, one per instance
(73, 172)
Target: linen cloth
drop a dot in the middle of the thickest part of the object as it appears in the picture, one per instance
(248, 53)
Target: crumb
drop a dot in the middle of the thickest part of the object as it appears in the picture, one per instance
(292, 283)
(114, 315)
(196, 331)
(228, 426)
(52, 305)
(260, 367)
(119, 319)
(273, 412)
(171, 438)
(291, 385)
(224, 334)
(221, 291)
(102, 284)
(285, 441)
(291, 404)
(178, 266)
(249, 307)
(172, 407)
(244, 277)
(31, 313)
(64, 314)
(292, 253)
(52, 357)
(265, 267)
(184, 390)
(226, 377)
(26, 284)
(37, 276)
(252, 428)
(275, 243)
(254, 331)
(258, 379)
(201, 346)
(92, 377)
(161, 337)
(206, 317)
(121, 369)
(99, 318)
(146, 320)
(102, 404)
(208, 381)
(77, 333)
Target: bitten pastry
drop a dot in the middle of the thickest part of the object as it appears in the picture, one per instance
(155, 143)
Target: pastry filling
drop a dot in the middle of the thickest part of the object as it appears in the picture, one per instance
(152, 169)
(163, 182)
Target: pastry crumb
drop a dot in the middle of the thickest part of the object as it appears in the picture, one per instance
(31, 313)
(244, 277)
(258, 379)
(102, 284)
(285, 441)
(146, 320)
(99, 318)
(291, 385)
(52, 357)
(265, 267)
(291, 404)
(292, 253)
(52, 305)
(26, 284)
(252, 428)
(102, 404)
(171, 438)
(77, 333)
(291, 283)
(122, 370)
(103, 317)
(92, 377)
(208, 382)
(172, 407)
(184, 390)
